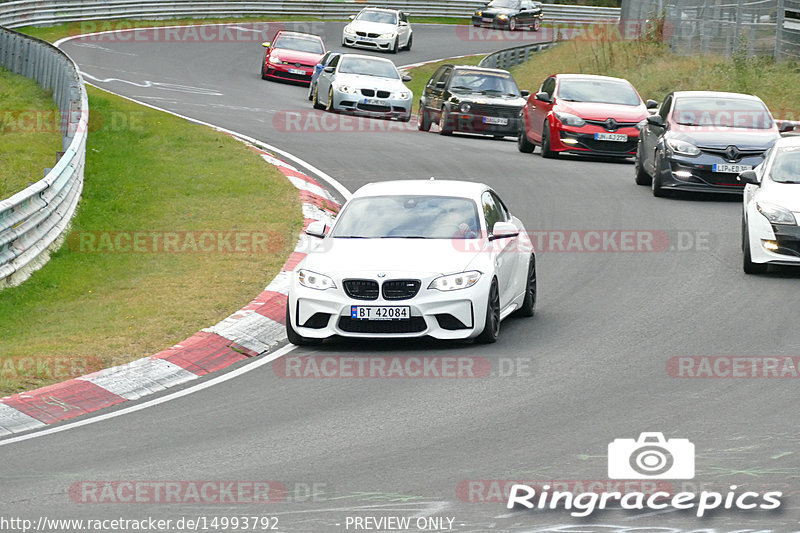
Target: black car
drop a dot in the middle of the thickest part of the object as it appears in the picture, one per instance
(511, 14)
(471, 99)
(701, 140)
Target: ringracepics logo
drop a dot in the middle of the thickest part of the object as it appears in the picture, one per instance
(650, 457)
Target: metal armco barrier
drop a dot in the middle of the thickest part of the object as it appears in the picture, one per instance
(510, 57)
(31, 12)
(32, 220)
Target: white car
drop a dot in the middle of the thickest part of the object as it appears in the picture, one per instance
(770, 232)
(379, 29)
(367, 85)
(411, 259)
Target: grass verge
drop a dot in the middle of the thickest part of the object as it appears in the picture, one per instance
(650, 66)
(95, 304)
(29, 132)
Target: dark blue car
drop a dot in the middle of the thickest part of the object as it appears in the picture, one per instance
(323, 62)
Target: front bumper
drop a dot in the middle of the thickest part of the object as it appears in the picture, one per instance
(357, 103)
(582, 141)
(371, 43)
(685, 173)
(289, 72)
(762, 231)
(442, 315)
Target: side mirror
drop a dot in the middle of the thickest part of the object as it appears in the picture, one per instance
(330, 70)
(440, 85)
(403, 23)
(352, 17)
(651, 104)
(655, 120)
(406, 77)
(265, 45)
(748, 176)
(317, 229)
(543, 97)
(504, 230)
(785, 126)
(525, 94)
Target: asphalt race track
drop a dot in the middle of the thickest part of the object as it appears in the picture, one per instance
(589, 368)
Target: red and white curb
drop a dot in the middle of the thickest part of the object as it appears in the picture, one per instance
(251, 331)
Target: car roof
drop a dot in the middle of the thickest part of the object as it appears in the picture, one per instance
(590, 77)
(434, 187)
(299, 34)
(789, 140)
(715, 94)
(373, 8)
(475, 67)
(364, 56)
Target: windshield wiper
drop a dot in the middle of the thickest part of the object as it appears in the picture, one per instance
(350, 237)
(404, 237)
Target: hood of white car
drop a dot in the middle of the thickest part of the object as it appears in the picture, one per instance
(783, 194)
(372, 27)
(344, 257)
(371, 82)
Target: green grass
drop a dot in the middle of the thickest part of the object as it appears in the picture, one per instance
(147, 171)
(655, 71)
(421, 74)
(29, 133)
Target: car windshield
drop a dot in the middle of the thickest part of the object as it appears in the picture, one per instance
(786, 165)
(598, 91)
(368, 67)
(383, 17)
(722, 112)
(408, 217)
(504, 4)
(300, 44)
(484, 82)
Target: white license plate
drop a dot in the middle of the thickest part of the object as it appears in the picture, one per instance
(734, 169)
(495, 120)
(380, 312)
(297, 71)
(373, 101)
(616, 137)
(486, 20)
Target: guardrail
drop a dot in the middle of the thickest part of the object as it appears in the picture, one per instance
(510, 57)
(33, 12)
(33, 220)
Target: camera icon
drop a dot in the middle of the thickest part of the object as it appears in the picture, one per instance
(651, 457)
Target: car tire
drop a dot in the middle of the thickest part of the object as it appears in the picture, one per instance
(294, 337)
(747, 259)
(423, 119)
(310, 92)
(315, 98)
(491, 327)
(523, 144)
(547, 153)
(264, 70)
(396, 46)
(537, 24)
(642, 177)
(528, 307)
(410, 40)
(329, 105)
(656, 184)
(443, 119)
(512, 24)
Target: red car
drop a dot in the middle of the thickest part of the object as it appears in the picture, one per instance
(292, 56)
(584, 114)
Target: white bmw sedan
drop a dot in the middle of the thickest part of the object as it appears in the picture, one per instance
(379, 29)
(439, 258)
(770, 231)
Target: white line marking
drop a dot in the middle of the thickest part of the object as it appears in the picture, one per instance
(261, 361)
(157, 85)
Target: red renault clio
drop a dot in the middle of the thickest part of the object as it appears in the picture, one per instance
(586, 114)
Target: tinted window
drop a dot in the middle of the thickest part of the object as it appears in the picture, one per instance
(491, 211)
(484, 82)
(721, 112)
(663, 111)
(506, 4)
(368, 67)
(408, 216)
(597, 91)
(300, 44)
(549, 86)
(440, 75)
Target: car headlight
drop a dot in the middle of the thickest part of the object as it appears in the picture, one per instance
(275, 60)
(348, 30)
(502, 17)
(464, 108)
(683, 147)
(479, 13)
(345, 89)
(569, 119)
(776, 214)
(388, 35)
(313, 280)
(453, 282)
(404, 95)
